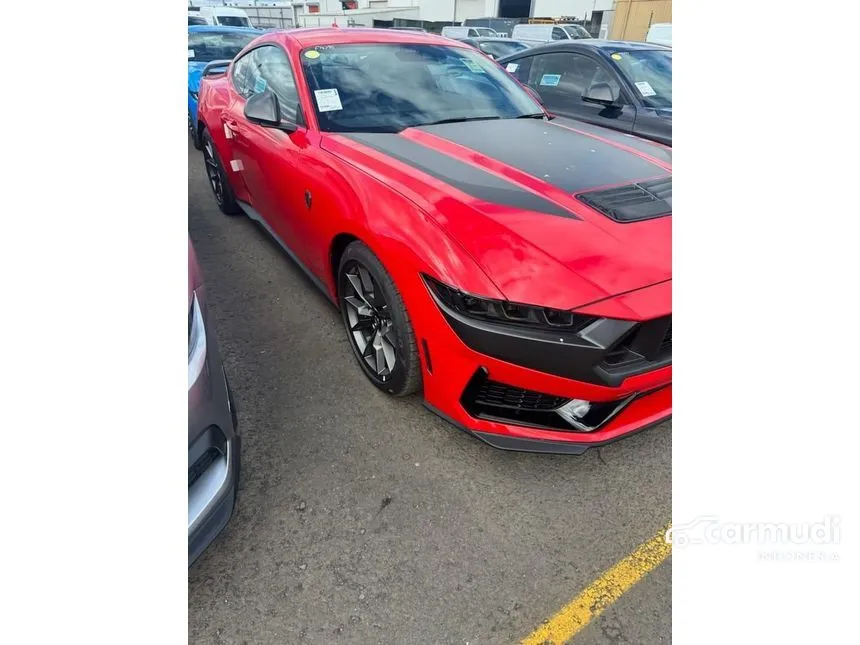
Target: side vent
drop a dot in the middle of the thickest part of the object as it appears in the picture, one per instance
(634, 202)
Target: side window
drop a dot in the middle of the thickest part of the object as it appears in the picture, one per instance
(240, 74)
(519, 69)
(559, 34)
(269, 68)
(562, 78)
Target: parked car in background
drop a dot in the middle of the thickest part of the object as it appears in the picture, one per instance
(534, 34)
(418, 29)
(213, 438)
(516, 269)
(223, 16)
(621, 85)
(502, 26)
(495, 47)
(468, 32)
(660, 34)
(207, 44)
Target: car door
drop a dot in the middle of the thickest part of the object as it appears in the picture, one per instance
(561, 79)
(269, 160)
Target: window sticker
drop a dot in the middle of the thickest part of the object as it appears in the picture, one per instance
(473, 66)
(645, 88)
(512, 67)
(550, 80)
(260, 85)
(312, 54)
(328, 100)
(190, 53)
(616, 56)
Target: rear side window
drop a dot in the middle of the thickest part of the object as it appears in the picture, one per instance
(269, 68)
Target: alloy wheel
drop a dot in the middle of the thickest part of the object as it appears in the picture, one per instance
(213, 172)
(369, 319)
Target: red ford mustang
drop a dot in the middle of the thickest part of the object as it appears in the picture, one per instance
(516, 269)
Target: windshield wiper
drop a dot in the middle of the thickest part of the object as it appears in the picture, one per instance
(461, 119)
(536, 115)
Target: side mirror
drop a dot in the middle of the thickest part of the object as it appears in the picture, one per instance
(599, 93)
(263, 109)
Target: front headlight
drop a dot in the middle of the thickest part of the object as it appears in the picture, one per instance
(196, 342)
(502, 311)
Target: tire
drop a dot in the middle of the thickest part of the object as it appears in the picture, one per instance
(376, 321)
(217, 177)
(192, 132)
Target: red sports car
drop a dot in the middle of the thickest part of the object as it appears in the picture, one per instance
(515, 268)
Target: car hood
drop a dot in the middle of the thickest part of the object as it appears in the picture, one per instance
(195, 71)
(511, 192)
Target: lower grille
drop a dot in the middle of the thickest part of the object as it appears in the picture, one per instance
(199, 467)
(500, 395)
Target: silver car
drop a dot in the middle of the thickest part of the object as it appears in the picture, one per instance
(213, 439)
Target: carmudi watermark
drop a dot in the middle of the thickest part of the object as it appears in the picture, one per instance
(782, 538)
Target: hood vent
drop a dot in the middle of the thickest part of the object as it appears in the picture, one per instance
(634, 202)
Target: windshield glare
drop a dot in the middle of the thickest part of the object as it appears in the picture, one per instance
(650, 71)
(208, 46)
(389, 87)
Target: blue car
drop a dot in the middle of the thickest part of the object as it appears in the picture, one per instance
(205, 44)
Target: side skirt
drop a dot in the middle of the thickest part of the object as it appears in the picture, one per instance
(256, 217)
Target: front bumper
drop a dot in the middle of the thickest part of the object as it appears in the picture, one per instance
(504, 386)
(214, 451)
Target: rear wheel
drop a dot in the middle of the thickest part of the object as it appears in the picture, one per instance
(224, 196)
(377, 324)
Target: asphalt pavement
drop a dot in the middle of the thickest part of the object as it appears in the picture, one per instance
(366, 519)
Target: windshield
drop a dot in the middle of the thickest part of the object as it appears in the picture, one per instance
(502, 48)
(233, 21)
(485, 31)
(389, 87)
(576, 31)
(204, 46)
(650, 72)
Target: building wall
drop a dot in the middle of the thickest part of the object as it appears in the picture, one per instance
(633, 17)
(576, 8)
(430, 10)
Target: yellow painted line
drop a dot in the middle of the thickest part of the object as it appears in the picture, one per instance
(601, 593)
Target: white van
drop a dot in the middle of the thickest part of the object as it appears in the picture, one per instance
(547, 33)
(660, 34)
(224, 16)
(468, 32)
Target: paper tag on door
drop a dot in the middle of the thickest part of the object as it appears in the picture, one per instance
(645, 88)
(328, 100)
(512, 67)
(190, 53)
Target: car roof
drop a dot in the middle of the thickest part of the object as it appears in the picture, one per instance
(593, 44)
(313, 36)
(222, 29)
(494, 39)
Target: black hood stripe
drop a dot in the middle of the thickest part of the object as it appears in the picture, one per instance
(463, 176)
(569, 161)
(650, 148)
